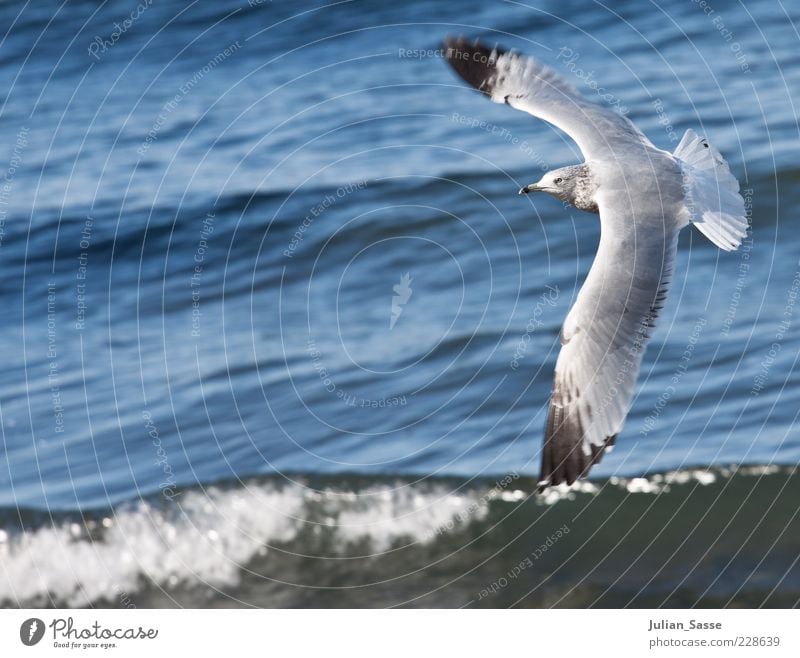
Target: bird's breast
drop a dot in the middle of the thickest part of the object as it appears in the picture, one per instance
(645, 187)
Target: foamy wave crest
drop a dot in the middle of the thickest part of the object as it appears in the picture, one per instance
(205, 537)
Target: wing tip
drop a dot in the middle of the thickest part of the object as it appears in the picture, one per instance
(563, 457)
(474, 62)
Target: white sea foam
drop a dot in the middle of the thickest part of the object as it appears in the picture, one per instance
(206, 537)
(565, 491)
(389, 514)
(656, 483)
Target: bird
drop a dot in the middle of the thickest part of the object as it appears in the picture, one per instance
(644, 196)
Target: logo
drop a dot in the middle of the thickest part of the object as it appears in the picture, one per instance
(31, 631)
(402, 293)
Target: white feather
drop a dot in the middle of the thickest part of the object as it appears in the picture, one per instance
(713, 201)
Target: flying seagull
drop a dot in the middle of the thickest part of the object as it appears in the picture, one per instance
(644, 197)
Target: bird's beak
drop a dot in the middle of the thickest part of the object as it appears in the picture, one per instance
(529, 188)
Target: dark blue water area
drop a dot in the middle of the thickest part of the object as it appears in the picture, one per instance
(207, 219)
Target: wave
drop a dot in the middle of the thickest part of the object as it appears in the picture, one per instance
(214, 537)
(206, 536)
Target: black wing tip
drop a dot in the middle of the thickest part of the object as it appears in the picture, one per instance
(472, 61)
(460, 45)
(563, 458)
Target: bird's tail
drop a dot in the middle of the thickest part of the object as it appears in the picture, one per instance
(711, 192)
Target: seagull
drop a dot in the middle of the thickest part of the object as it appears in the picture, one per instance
(644, 196)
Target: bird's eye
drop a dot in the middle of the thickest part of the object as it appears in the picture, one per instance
(558, 180)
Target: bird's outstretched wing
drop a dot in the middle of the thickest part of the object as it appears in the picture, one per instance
(528, 85)
(605, 333)
(604, 336)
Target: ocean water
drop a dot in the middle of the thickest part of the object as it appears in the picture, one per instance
(279, 330)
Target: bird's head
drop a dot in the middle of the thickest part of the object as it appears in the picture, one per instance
(569, 184)
(555, 183)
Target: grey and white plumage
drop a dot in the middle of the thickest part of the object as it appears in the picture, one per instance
(644, 196)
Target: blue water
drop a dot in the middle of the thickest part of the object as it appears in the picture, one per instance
(205, 216)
